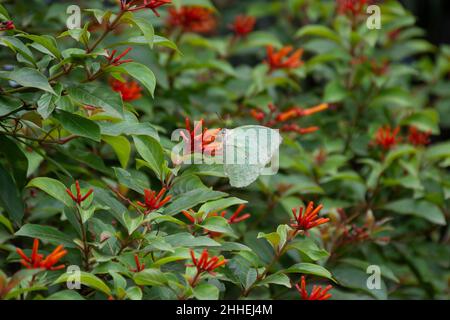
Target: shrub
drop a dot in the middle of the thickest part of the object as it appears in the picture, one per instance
(90, 189)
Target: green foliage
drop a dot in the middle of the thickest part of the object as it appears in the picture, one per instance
(85, 157)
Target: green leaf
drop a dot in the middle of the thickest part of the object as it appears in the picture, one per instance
(134, 293)
(100, 15)
(310, 268)
(192, 198)
(309, 248)
(438, 151)
(363, 265)
(65, 295)
(273, 238)
(129, 126)
(29, 78)
(200, 3)
(141, 40)
(334, 92)
(320, 31)
(276, 278)
(78, 34)
(397, 153)
(86, 214)
(87, 279)
(8, 105)
(18, 46)
(152, 152)
(46, 41)
(46, 105)
(98, 96)
(150, 277)
(144, 25)
(17, 160)
(78, 125)
(262, 39)
(4, 13)
(218, 224)
(121, 147)
(52, 187)
(140, 72)
(184, 239)
(10, 197)
(46, 233)
(132, 179)
(206, 291)
(425, 120)
(219, 205)
(162, 41)
(4, 221)
(356, 279)
(419, 208)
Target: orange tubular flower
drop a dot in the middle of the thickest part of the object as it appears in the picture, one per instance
(116, 61)
(387, 137)
(139, 266)
(235, 216)
(128, 90)
(297, 112)
(7, 25)
(206, 264)
(258, 115)
(79, 198)
(192, 19)
(37, 261)
(309, 219)
(135, 5)
(243, 25)
(296, 128)
(317, 292)
(280, 59)
(189, 215)
(418, 138)
(152, 201)
(201, 140)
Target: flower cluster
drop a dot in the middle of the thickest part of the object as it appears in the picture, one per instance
(278, 118)
(352, 7)
(243, 25)
(129, 90)
(205, 264)
(37, 260)
(387, 138)
(233, 219)
(199, 139)
(282, 60)
(135, 5)
(417, 137)
(317, 292)
(153, 201)
(307, 219)
(192, 19)
(117, 61)
(79, 198)
(7, 25)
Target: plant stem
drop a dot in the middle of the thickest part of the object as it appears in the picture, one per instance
(86, 249)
